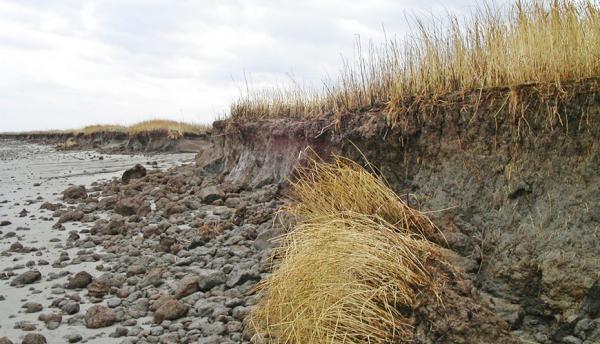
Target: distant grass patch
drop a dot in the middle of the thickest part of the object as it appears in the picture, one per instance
(106, 128)
(166, 125)
(353, 268)
(548, 43)
(173, 128)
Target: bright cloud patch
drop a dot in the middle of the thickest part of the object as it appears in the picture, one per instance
(66, 64)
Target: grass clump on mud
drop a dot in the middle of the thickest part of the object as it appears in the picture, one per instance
(493, 52)
(354, 266)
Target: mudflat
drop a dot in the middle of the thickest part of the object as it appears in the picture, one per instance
(32, 175)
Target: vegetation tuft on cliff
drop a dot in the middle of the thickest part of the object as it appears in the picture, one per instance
(355, 265)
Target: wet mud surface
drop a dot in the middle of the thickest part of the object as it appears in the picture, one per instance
(31, 175)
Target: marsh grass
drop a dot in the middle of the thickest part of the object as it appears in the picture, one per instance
(353, 267)
(547, 43)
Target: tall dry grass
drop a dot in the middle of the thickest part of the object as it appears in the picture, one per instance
(353, 268)
(537, 41)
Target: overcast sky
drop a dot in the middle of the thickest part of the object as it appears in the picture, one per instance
(66, 64)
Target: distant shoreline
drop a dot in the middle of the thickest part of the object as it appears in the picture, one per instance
(156, 140)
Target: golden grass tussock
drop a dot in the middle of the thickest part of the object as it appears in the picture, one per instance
(546, 42)
(349, 271)
(322, 189)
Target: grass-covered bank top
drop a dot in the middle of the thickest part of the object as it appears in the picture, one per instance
(544, 42)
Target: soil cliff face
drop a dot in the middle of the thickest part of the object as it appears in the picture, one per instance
(261, 153)
(517, 196)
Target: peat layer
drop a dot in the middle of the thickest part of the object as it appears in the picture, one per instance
(511, 179)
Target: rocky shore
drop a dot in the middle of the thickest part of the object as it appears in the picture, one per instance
(159, 256)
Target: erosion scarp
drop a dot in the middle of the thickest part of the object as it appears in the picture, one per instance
(516, 193)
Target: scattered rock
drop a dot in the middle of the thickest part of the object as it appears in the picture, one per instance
(210, 194)
(32, 307)
(50, 318)
(187, 286)
(126, 207)
(80, 280)
(25, 326)
(136, 172)
(74, 193)
(136, 269)
(49, 206)
(170, 310)
(34, 338)
(16, 247)
(153, 278)
(71, 216)
(70, 307)
(73, 338)
(99, 316)
(26, 278)
(73, 236)
(240, 276)
(97, 289)
(210, 278)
